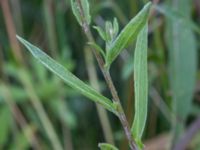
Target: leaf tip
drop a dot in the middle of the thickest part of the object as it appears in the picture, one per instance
(18, 37)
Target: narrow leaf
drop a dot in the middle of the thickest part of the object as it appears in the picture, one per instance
(141, 85)
(67, 76)
(128, 34)
(98, 48)
(106, 146)
(115, 27)
(81, 10)
(101, 32)
(109, 30)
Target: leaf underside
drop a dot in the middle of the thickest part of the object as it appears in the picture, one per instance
(128, 34)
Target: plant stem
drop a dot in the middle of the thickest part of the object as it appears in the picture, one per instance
(121, 114)
(106, 74)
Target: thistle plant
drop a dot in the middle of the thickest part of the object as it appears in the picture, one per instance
(115, 43)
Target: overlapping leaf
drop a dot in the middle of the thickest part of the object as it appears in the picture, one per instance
(81, 11)
(128, 34)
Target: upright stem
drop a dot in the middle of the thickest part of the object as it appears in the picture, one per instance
(106, 74)
(121, 114)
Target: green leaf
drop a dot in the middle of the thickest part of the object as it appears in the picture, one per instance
(115, 27)
(141, 85)
(68, 77)
(128, 34)
(98, 48)
(112, 29)
(109, 31)
(101, 32)
(182, 49)
(106, 146)
(81, 10)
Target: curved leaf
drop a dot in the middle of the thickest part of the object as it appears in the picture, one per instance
(128, 34)
(141, 86)
(68, 77)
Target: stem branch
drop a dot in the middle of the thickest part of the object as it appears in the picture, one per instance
(106, 74)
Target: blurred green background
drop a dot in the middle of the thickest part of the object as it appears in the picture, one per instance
(38, 111)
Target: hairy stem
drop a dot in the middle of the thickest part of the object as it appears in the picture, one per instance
(106, 74)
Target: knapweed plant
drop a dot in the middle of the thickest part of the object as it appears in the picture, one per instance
(115, 43)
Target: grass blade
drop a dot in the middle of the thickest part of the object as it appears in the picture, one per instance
(128, 34)
(68, 77)
(141, 86)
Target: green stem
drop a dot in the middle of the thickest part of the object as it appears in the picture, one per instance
(106, 74)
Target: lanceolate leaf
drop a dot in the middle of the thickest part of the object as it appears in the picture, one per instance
(128, 34)
(98, 48)
(101, 32)
(81, 10)
(106, 146)
(141, 86)
(67, 76)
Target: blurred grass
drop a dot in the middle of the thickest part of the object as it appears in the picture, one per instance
(182, 64)
(51, 25)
